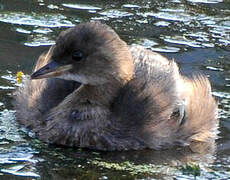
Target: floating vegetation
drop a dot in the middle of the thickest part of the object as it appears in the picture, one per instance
(19, 77)
(191, 169)
(136, 169)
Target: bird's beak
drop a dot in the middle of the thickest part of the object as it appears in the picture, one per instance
(52, 69)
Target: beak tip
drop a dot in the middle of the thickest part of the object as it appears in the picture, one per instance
(51, 69)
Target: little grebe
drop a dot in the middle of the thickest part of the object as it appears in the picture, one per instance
(102, 94)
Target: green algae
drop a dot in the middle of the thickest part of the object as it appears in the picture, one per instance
(191, 169)
(135, 169)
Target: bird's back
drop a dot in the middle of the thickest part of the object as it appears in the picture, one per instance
(161, 108)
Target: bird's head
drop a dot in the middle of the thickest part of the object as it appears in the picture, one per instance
(89, 53)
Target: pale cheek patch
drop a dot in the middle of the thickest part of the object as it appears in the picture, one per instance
(92, 80)
(78, 78)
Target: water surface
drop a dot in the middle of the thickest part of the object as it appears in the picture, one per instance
(195, 32)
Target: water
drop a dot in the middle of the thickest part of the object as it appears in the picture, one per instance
(195, 32)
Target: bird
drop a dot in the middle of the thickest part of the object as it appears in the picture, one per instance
(93, 90)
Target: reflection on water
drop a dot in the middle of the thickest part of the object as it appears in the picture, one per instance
(43, 20)
(195, 32)
(16, 156)
(82, 6)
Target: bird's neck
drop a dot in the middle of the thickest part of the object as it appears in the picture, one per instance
(101, 95)
(104, 94)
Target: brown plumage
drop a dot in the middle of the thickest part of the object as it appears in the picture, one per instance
(129, 97)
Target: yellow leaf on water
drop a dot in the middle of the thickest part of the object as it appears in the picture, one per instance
(19, 76)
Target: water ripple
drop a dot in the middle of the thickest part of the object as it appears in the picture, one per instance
(162, 23)
(52, 6)
(8, 127)
(213, 30)
(16, 159)
(182, 41)
(113, 13)
(23, 31)
(33, 19)
(20, 162)
(171, 16)
(81, 6)
(9, 77)
(166, 49)
(6, 87)
(206, 1)
(18, 171)
(171, 27)
(224, 100)
(214, 68)
(131, 6)
(43, 30)
(147, 43)
(39, 40)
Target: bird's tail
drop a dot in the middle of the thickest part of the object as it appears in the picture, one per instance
(201, 110)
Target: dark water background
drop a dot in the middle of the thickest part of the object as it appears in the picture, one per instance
(194, 32)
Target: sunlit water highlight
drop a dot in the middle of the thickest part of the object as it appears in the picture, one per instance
(196, 33)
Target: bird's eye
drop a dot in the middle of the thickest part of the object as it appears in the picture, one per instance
(77, 55)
